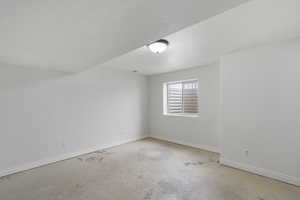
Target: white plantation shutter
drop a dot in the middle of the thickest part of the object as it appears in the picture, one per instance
(190, 97)
(174, 98)
(182, 97)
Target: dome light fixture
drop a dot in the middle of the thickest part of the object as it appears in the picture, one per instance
(159, 46)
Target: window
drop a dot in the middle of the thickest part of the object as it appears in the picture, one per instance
(181, 98)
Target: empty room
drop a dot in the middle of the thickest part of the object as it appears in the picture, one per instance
(150, 100)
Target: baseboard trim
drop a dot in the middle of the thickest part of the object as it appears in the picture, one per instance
(261, 171)
(67, 156)
(204, 147)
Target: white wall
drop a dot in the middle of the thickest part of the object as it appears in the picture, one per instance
(14, 77)
(66, 115)
(261, 109)
(201, 131)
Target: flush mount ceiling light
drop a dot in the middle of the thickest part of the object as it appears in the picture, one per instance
(159, 46)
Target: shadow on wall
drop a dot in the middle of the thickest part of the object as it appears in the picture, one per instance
(14, 77)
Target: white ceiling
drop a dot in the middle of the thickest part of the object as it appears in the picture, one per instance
(72, 35)
(252, 23)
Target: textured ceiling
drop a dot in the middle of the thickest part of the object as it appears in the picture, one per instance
(250, 24)
(73, 35)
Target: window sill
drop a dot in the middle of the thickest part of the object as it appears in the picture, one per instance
(181, 115)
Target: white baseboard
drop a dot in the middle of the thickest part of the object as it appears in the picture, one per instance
(58, 158)
(204, 147)
(261, 171)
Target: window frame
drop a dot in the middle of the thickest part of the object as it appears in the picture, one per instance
(165, 99)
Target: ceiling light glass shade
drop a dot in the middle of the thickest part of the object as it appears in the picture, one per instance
(159, 46)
